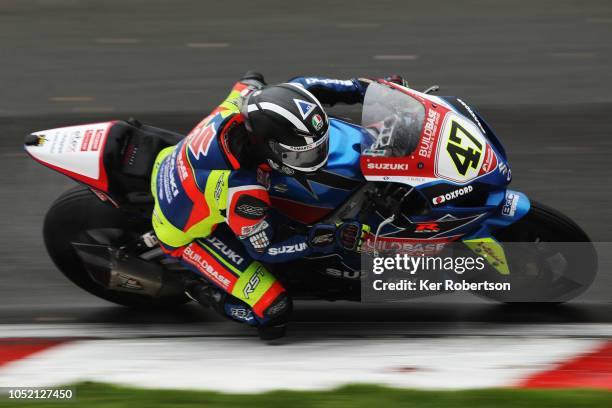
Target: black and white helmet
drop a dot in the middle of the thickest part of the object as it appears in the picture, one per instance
(289, 127)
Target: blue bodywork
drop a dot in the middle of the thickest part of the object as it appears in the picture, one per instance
(469, 222)
(344, 154)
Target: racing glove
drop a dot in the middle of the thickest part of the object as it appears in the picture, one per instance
(351, 235)
(347, 236)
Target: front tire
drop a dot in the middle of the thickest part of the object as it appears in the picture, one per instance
(551, 259)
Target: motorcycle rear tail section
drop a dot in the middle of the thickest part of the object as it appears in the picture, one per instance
(114, 158)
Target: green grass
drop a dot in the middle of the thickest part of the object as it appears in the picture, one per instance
(93, 395)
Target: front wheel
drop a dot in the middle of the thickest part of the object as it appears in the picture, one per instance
(551, 259)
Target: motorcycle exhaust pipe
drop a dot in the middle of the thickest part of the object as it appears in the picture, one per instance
(121, 272)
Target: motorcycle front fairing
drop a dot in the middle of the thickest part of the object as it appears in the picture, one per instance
(453, 161)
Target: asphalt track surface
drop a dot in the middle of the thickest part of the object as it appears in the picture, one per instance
(538, 71)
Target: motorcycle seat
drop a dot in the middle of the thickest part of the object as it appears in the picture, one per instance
(129, 156)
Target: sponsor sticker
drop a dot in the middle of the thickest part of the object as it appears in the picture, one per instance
(219, 188)
(452, 195)
(241, 313)
(465, 105)
(489, 162)
(86, 140)
(288, 249)
(182, 169)
(97, 139)
(253, 282)
(427, 142)
(249, 230)
(277, 308)
(201, 139)
(337, 273)
(304, 107)
(75, 142)
(225, 250)
(504, 169)
(317, 122)
(387, 166)
(203, 266)
(509, 207)
(128, 282)
(283, 169)
(329, 81)
(280, 188)
(251, 210)
(427, 227)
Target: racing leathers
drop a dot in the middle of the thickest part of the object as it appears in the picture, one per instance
(212, 209)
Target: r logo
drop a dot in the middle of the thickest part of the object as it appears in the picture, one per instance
(428, 227)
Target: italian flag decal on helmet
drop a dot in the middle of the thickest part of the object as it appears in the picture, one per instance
(317, 122)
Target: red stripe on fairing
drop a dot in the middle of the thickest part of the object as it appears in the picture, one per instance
(306, 214)
(12, 349)
(591, 370)
(267, 298)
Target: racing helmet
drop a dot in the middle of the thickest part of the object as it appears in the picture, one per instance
(288, 127)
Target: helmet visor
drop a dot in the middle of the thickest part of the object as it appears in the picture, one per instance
(307, 158)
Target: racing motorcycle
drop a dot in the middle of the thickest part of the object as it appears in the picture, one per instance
(420, 169)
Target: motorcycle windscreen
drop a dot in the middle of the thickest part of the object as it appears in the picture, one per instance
(75, 151)
(394, 119)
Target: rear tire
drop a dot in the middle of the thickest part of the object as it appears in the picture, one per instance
(79, 216)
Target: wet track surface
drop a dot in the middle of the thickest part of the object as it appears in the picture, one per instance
(541, 79)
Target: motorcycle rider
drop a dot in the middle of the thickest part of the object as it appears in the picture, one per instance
(212, 208)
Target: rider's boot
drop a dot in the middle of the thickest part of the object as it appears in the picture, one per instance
(210, 296)
(272, 332)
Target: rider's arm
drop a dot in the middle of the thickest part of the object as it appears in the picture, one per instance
(331, 91)
(265, 233)
(271, 237)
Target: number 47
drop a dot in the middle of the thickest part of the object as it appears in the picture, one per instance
(463, 157)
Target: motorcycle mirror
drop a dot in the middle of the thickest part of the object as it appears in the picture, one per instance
(432, 89)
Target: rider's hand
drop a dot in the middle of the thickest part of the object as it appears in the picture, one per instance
(351, 235)
(322, 237)
(348, 236)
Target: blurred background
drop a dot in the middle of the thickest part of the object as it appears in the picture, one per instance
(63, 56)
(539, 71)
